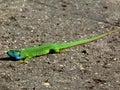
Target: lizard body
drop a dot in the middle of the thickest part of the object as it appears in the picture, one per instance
(28, 53)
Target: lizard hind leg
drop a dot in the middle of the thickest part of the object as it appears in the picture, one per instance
(52, 51)
(62, 51)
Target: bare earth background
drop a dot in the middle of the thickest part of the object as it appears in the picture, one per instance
(94, 66)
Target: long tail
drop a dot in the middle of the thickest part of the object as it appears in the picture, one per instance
(75, 43)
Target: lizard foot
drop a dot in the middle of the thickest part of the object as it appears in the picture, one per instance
(63, 51)
(23, 61)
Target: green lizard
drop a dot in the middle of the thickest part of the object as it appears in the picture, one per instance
(28, 53)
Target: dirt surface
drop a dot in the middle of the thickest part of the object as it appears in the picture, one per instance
(94, 66)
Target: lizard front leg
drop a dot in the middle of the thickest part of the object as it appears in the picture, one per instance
(26, 60)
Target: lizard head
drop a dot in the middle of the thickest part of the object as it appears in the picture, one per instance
(15, 54)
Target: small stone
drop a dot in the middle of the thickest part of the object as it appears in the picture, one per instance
(81, 67)
(46, 84)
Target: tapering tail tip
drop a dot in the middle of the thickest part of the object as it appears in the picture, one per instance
(113, 31)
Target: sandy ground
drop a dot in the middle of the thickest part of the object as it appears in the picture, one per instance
(94, 66)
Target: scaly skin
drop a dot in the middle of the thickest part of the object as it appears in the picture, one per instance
(27, 54)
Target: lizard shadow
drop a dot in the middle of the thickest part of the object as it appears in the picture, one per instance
(7, 59)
